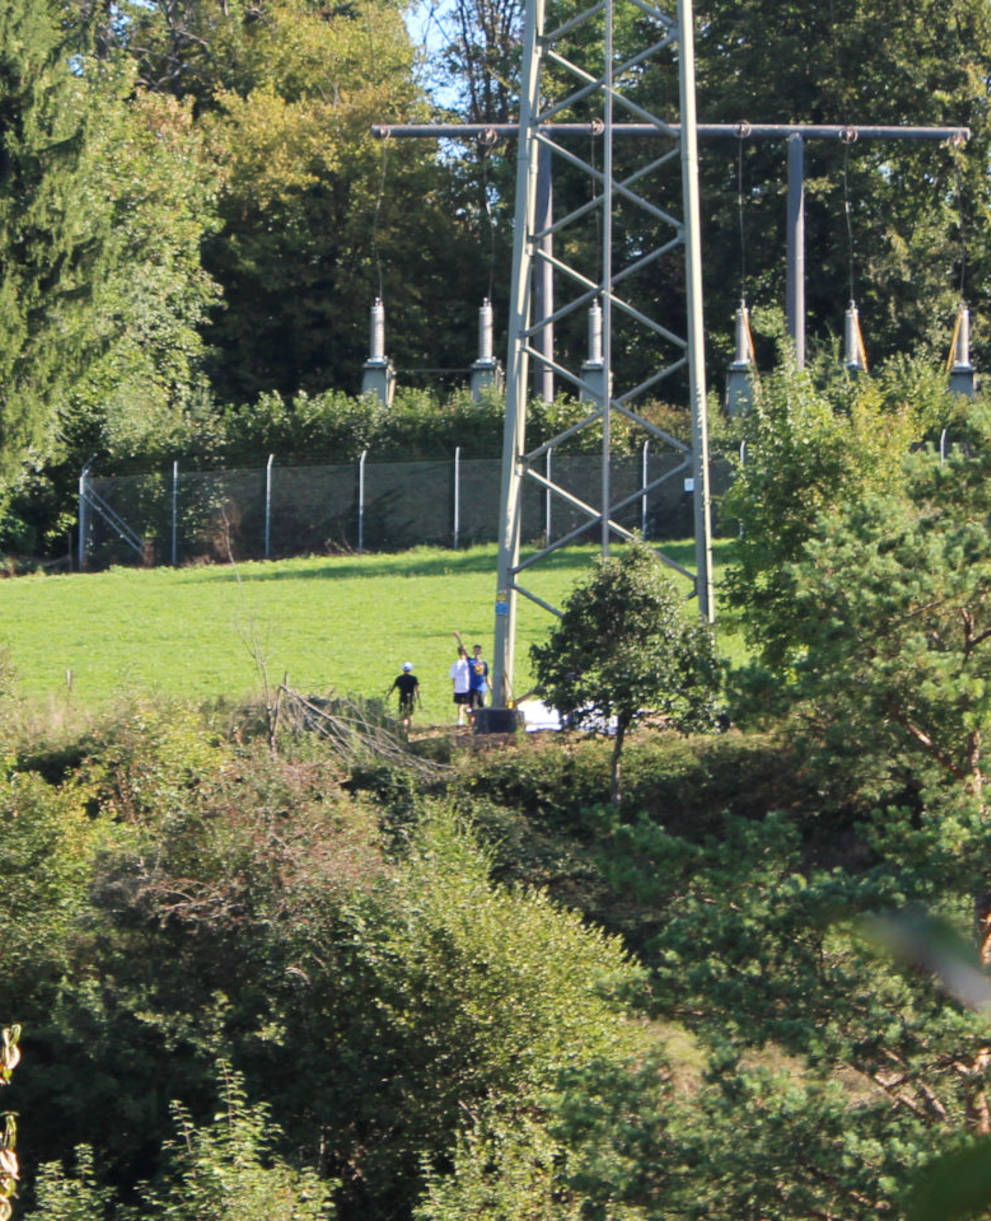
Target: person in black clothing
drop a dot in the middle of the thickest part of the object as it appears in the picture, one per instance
(408, 686)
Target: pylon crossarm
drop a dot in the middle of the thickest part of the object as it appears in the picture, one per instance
(659, 127)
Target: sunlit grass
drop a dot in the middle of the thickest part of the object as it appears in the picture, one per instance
(342, 623)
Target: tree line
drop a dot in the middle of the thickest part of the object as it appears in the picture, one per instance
(193, 212)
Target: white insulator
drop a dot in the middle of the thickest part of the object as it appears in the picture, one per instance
(595, 334)
(962, 377)
(377, 347)
(743, 354)
(854, 355)
(485, 331)
(740, 375)
(961, 357)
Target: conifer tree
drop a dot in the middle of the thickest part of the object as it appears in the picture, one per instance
(52, 225)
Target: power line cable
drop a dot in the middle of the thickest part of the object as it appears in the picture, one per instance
(848, 136)
(743, 131)
(376, 248)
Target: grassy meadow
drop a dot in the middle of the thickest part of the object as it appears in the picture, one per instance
(332, 623)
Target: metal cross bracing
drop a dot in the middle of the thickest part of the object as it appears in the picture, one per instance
(569, 69)
(543, 136)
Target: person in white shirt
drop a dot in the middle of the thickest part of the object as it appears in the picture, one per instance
(460, 674)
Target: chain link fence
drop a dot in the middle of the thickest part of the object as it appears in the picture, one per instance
(185, 517)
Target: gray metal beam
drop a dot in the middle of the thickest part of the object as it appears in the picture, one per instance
(517, 367)
(808, 131)
(696, 325)
(608, 285)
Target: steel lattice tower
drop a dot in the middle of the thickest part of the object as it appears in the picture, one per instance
(579, 69)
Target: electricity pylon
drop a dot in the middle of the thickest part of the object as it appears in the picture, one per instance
(583, 66)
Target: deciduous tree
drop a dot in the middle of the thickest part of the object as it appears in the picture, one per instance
(625, 648)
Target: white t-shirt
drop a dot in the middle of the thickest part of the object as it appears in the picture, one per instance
(461, 674)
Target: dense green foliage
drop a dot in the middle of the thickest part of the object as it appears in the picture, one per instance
(624, 649)
(428, 1029)
(195, 218)
(224, 1171)
(208, 900)
(478, 986)
(260, 977)
(810, 449)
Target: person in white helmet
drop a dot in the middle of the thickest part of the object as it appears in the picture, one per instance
(408, 686)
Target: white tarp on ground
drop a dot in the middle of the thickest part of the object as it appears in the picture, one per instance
(537, 715)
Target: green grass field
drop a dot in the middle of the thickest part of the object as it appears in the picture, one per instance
(341, 623)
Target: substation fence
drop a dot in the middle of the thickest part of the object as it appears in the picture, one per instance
(183, 517)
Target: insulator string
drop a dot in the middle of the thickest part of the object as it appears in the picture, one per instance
(376, 248)
(847, 141)
(742, 132)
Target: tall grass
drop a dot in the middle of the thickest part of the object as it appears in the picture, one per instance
(341, 623)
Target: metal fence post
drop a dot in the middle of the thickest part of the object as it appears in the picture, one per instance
(643, 483)
(83, 524)
(547, 499)
(361, 501)
(942, 448)
(175, 514)
(457, 495)
(743, 463)
(268, 505)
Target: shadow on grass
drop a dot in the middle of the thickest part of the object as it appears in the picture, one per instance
(416, 564)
